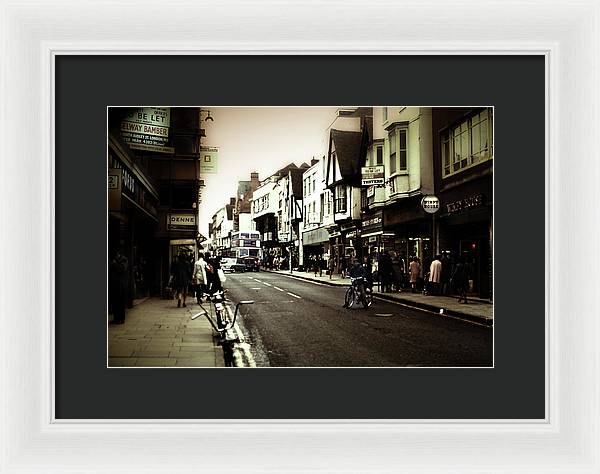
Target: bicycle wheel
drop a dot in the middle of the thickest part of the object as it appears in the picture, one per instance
(349, 299)
(367, 299)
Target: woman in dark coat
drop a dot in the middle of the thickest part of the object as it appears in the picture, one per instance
(460, 280)
(181, 270)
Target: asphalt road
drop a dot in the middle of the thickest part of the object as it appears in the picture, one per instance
(297, 323)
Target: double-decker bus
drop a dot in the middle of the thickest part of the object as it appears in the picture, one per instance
(245, 244)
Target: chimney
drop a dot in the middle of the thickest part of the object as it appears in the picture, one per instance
(313, 162)
(232, 201)
(254, 176)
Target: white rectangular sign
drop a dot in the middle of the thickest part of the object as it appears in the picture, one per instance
(187, 220)
(372, 175)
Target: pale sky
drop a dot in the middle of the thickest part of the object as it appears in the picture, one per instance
(261, 139)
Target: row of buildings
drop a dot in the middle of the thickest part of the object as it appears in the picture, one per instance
(362, 196)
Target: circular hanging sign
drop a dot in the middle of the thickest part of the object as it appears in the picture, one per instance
(430, 204)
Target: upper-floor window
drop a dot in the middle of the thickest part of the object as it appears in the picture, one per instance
(467, 143)
(385, 114)
(398, 150)
(340, 203)
(379, 155)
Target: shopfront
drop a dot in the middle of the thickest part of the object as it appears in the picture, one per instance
(407, 232)
(132, 222)
(465, 230)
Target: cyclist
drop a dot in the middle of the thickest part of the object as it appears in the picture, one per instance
(358, 274)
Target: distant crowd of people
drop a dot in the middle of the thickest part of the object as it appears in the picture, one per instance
(441, 277)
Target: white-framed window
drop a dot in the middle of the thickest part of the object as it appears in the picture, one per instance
(385, 114)
(398, 139)
(467, 143)
(340, 203)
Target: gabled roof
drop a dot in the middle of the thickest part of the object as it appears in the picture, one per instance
(229, 211)
(296, 176)
(348, 150)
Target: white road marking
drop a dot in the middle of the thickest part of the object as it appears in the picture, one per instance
(255, 288)
(277, 288)
(292, 294)
(265, 283)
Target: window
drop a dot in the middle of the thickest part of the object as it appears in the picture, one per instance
(379, 155)
(402, 149)
(467, 143)
(313, 182)
(385, 114)
(304, 188)
(398, 150)
(392, 152)
(304, 216)
(340, 198)
(322, 207)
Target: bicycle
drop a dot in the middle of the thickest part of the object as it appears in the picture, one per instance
(354, 294)
(222, 323)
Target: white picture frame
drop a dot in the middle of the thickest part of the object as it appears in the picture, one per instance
(33, 440)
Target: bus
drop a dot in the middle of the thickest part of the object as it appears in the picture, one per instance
(245, 244)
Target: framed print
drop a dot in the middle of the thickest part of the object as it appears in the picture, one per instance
(528, 72)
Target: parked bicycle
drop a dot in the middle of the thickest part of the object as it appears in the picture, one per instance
(357, 292)
(221, 323)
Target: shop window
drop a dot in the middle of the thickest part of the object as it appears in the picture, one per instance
(467, 143)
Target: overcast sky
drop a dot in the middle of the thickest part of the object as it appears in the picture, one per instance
(261, 139)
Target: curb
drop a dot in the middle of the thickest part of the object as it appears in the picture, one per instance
(415, 304)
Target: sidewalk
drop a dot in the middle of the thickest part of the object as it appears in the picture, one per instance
(476, 310)
(158, 334)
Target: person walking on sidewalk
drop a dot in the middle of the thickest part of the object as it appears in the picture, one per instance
(446, 273)
(118, 285)
(331, 264)
(182, 273)
(199, 277)
(415, 273)
(386, 271)
(460, 280)
(435, 275)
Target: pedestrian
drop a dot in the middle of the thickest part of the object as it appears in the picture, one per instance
(331, 264)
(317, 265)
(435, 275)
(446, 273)
(397, 271)
(460, 280)
(118, 286)
(213, 281)
(343, 265)
(385, 271)
(199, 277)
(181, 272)
(415, 273)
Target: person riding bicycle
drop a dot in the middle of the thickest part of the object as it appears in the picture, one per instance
(358, 275)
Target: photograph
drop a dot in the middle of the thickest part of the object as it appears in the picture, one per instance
(300, 237)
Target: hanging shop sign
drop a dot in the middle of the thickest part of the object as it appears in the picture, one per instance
(465, 204)
(372, 175)
(181, 221)
(209, 157)
(147, 128)
(430, 204)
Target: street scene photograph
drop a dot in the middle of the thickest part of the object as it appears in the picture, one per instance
(315, 237)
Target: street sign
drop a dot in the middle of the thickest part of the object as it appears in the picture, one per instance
(208, 160)
(430, 204)
(372, 175)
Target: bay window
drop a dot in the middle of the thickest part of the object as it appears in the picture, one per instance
(467, 143)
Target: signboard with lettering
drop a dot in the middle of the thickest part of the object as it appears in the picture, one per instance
(464, 204)
(373, 223)
(209, 159)
(430, 204)
(147, 128)
(373, 175)
(181, 221)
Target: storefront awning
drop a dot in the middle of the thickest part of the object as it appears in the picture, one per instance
(315, 236)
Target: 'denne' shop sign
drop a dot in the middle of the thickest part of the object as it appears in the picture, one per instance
(182, 221)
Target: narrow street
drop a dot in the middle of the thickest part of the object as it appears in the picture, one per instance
(296, 323)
